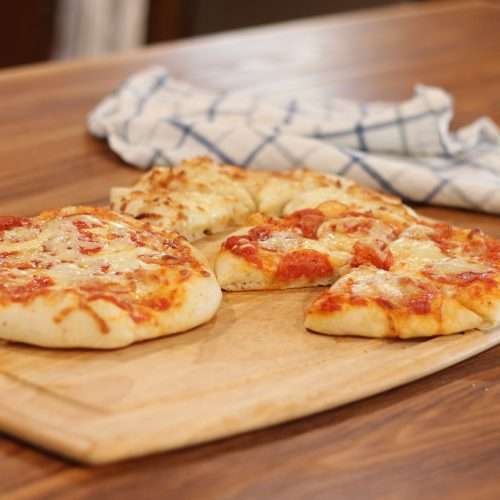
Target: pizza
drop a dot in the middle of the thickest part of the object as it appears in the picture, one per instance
(413, 276)
(199, 197)
(278, 253)
(89, 277)
(101, 278)
(389, 279)
(371, 302)
(441, 280)
(309, 247)
(281, 189)
(195, 198)
(392, 273)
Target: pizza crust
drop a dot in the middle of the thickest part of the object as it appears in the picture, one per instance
(192, 214)
(381, 304)
(234, 272)
(278, 192)
(394, 274)
(130, 283)
(196, 198)
(46, 322)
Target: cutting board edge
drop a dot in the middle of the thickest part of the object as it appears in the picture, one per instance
(34, 430)
(89, 451)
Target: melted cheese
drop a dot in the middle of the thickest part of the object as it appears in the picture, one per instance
(192, 214)
(199, 175)
(59, 249)
(452, 266)
(340, 235)
(279, 190)
(417, 232)
(288, 241)
(421, 254)
(195, 198)
(415, 254)
(377, 284)
(313, 198)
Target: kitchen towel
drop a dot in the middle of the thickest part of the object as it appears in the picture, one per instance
(406, 149)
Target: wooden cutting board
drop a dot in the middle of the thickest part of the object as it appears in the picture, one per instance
(252, 366)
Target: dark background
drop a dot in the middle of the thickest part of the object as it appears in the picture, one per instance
(27, 27)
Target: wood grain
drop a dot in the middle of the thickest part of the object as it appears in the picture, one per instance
(436, 438)
(253, 366)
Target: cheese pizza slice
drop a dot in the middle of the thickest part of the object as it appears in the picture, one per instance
(363, 236)
(89, 277)
(463, 263)
(199, 197)
(431, 287)
(305, 248)
(371, 302)
(191, 214)
(196, 198)
(454, 241)
(200, 175)
(278, 253)
(352, 198)
(281, 188)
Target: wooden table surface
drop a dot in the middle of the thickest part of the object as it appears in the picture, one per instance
(436, 438)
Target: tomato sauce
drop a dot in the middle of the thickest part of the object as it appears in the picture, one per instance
(4, 255)
(442, 231)
(90, 251)
(260, 233)
(385, 303)
(23, 293)
(363, 227)
(307, 220)
(244, 247)
(10, 221)
(136, 239)
(420, 301)
(364, 254)
(462, 279)
(420, 304)
(442, 236)
(308, 264)
(357, 300)
(158, 303)
(85, 235)
(330, 303)
(81, 225)
(493, 251)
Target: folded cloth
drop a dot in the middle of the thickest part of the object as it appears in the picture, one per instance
(405, 148)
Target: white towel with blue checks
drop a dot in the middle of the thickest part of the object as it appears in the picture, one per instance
(405, 148)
